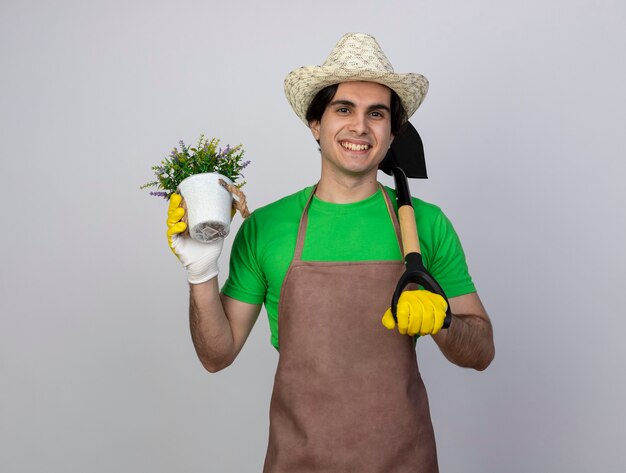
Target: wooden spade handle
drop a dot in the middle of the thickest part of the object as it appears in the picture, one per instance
(408, 229)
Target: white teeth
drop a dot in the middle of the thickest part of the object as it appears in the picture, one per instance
(353, 147)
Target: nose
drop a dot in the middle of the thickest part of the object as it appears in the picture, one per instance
(358, 124)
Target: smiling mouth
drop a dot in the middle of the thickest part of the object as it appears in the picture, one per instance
(355, 147)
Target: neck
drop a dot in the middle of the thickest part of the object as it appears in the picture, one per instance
(343, 190)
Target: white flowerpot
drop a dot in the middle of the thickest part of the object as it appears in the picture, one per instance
(208, 206)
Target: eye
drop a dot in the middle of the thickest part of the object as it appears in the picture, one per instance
(377, 114)
(342, 110)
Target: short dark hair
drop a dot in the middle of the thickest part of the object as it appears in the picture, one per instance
(323, 97)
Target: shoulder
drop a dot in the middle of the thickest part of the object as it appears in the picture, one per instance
(269, 222)
(268, 235)
(284, 208)
(424, 210)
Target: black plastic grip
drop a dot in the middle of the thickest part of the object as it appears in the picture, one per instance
(416, 273)
(403, 193)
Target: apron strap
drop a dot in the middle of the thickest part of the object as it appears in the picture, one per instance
(394, 218)
(304, 219)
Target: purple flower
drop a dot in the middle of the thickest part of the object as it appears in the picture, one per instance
(159, 194)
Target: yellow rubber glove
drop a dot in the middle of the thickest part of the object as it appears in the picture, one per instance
(419, 313)
(175, 213)
(200, 259)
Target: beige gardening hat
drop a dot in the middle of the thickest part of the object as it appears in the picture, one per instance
(356, 57)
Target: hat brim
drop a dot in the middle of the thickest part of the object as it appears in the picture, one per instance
(302, 84)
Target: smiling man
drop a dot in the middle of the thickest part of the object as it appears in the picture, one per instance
(354, 134)
(347, 394)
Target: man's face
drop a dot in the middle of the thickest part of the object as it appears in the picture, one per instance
(355, 130)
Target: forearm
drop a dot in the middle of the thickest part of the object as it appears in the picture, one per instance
(211, 331)
(468, 342)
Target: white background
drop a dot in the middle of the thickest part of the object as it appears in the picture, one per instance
(524, 135)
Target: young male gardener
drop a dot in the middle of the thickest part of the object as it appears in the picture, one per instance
(347, 394)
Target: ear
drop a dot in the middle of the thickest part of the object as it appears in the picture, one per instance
(315, 129)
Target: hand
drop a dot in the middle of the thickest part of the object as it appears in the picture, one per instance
(419, 312)
(200, 259)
